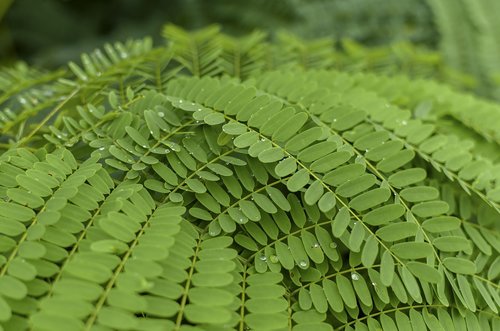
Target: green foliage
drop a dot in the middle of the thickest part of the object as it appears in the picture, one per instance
(231, 184)
(474, 48)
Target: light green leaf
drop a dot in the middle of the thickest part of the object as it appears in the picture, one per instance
(286, 167)
(407, 177)
(355, 186)
(397, 231)
(384, 214)
(340, 223)
(459, 265)
(419, 193)
(396, 161)
(290, 127)
(303, 139)
(370, 199)
(270, 155)
(452, 244)
(12, 288)
(424, 272)
(441, 224)
(317, 151)
(314, 192)
(387, 268)
(430, 208)
(346, 291)
(298, 180)
(137, 137)
(412, 250)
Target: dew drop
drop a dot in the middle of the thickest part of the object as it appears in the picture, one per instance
(404, 123)
(101, 148)
(180, 101)
(303, 264)
(263, 258)
(333, 245)
(274, 259)
(161, 114)
(354, 276)
(262, 139)
(316, 245)
(167, 150)
(374, 284)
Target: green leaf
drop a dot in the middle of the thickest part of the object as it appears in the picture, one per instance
(316, 151)
(397, 231)
(12, 288)
(419, 193)
(284, 255)
(214, 118)
(314, 192)
(357, 237)
(430, 208)
(452, 244)
(286, 167)
(412, 250)
(246, 139)
(333, 295)
(346, 291)
(396, 161)
(298, 180)
(355, 186)
(340, 223)
(407, 177)
(370, 251)
(290, 127)
(137, 137)
(343, 174)
(21, 269)
(424, 272)
(459, 265)
(330, 162)
(327, 202)
(370, 199)
(56, 322)
(384, 214)
(441, 224)
(387, 268)
(270, 155)
(250, 210)
(303, 139)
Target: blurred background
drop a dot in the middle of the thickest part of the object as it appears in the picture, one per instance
(463, 34)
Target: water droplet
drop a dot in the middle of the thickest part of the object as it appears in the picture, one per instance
(180, 101)
(241, 220)
(192, 103)
(404, 122)
(161, 114)
(263, 258)
(167, 150)
(22, 100)
(333, 245)
(334, 120)
(145, 146)
(303, 264)
(374, 284)
(101, 148)
(262, 139)
(212, 233)
(316, 245)
(199, 109)
(354, 276)
(274, 259)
